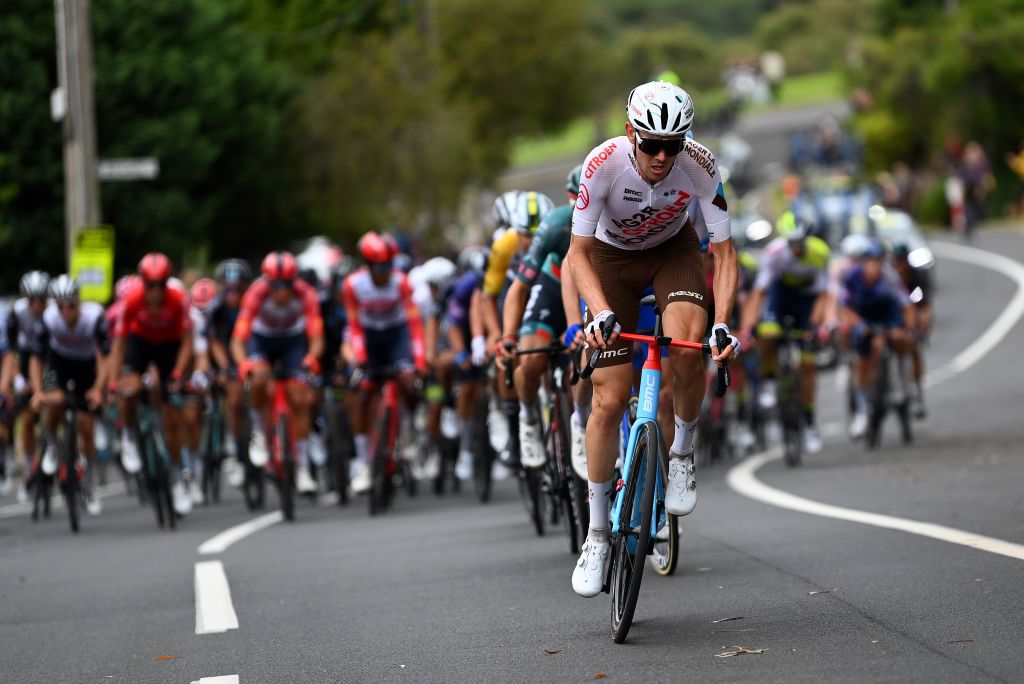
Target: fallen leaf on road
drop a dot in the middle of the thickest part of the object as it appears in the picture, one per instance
(741, 650)
(600, 675)
(874, 641)
(822, 591)
(168, 657)
(730, 631)
(703, 569)
(552, 651)
(738, 617)
(961, 641)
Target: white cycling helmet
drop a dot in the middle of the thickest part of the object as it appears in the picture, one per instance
(473, 259)
(660, 108)
(64, 289)
(436, 271)
(531, 208)
(855, 245)
(504, 205)
(34, 283)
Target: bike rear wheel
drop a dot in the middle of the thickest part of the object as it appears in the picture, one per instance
(71, 487)
(380, 480)
(630, 544)
(533, 497)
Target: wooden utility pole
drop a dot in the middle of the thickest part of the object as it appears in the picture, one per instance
(74, 66)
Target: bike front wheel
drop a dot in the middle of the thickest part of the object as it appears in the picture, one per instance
(287, 482)
(630, 544)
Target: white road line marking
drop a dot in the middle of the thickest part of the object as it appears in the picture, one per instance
(214, 610)
(742, 478)
(223, 679)
(57, 500)
(1003, 324)
(220, 542)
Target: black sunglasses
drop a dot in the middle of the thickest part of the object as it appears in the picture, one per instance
(154, 284)
(652, 146)
(281, 284)
(382, 268)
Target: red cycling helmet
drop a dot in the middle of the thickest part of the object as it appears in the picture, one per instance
(279, 266)
(126, 284)
(392, 244)
(155, 266)
(202, 293)
(375, 249)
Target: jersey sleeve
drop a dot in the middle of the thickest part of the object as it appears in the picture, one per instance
(502, 251)
(549, 238)
(412, 315)
(597, 181)
(356, 336)
(101, 333)
(249, 308)
(311, 309)
(129, 310)
(700, 165)
(11, 327)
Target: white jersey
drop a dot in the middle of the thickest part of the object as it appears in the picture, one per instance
(200, 343)
(77, 343)
(620, 208)
(22, 326)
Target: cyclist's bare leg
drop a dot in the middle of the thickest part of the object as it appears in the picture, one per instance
(192, 416)
(235, 414)
(808, 380)
(685, 321)
(174, 428)
(301, 400)
(130, 386)
(611, 394)
(530, 369)
(28, 433)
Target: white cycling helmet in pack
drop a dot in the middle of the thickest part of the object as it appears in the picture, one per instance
(531, 208)
(64, 289)
(34, 283)
(660, 108)
(436, 271)
(504, 205)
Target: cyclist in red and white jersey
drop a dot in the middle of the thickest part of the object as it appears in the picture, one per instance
(154, 327)
(280, 322)
(384, 330)
(634, 196)
(200, 295)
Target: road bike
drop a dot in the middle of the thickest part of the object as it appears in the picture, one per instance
(890, 392)
(156, 458)
(529, 478)
(565, 492)
(386, 463)
(70, 467)
(211, 443)
(638, 510)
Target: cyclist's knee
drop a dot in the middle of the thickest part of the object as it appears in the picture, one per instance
(686, 363)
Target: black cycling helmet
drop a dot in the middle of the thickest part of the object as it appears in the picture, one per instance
(233, 271)
(342, 269)
(900, 250)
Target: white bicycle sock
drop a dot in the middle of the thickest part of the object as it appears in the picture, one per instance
(598, 494)
(363, 448)
(682, 442)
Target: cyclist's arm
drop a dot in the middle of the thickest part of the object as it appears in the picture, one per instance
(115, 360)
(356, 336)
(314, 322)
(102, 336)
(571, 300)
(584, 274)
(220, 354)
(412, 315)
(184, 353)
(477, 326)
(515, 303)
(35, 361)
(247, 311)
(726, 279)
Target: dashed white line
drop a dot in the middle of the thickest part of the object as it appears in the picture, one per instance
(223, 679)
(220, 542)
(214, 611)
(742, 478)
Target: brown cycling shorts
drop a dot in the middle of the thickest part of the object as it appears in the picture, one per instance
(674, 267)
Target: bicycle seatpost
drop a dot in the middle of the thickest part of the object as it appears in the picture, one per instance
(724, 380)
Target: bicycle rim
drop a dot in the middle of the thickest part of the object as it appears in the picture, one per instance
(630, 566)
(665, 551)
(72, 488)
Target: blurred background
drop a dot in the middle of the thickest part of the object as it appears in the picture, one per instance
(247, 120)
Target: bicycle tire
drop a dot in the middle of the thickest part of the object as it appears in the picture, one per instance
(906, 422)
(535, 506)
(287, 482)
(483, 454)
(565, 491)
(378, 498)
(340, 449)
(628, 574)
(665, 554)
(71, 487)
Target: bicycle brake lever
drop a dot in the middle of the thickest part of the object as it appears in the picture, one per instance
(724, 380)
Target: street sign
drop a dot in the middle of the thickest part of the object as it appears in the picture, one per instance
(92, 262)
(143, 168)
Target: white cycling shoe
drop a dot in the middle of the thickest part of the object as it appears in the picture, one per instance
(258, 452)
(130, 455)
(182, 500)
(592, 567)
(859, 425)
(361, 479)
(769, 396)
(93, 505)
(233, 471)
(50, 463)
(531, 446)
(304, 482)
(681, 492)
(578, 449)
(464, 465)
(812, 440)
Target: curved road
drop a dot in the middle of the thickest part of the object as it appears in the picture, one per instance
(448, 590)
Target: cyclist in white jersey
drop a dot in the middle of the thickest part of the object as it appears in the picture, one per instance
(634, 196)
(69, 352)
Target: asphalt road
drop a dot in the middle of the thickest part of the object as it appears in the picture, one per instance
(449, 590)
